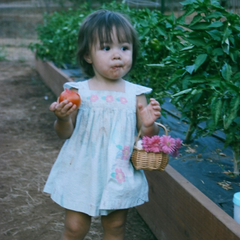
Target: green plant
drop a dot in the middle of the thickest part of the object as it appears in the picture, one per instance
(58, 36)
(205, 86)
(158, 35)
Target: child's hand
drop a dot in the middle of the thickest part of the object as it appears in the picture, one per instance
(150, 113)
(63, 110)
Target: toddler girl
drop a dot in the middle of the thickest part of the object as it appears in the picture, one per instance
(93, 175)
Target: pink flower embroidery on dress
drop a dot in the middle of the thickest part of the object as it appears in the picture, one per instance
(125, 152)
(94, 98)
(119, 175)
(109, 98)
(123, 100)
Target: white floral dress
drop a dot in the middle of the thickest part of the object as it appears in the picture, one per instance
(93, 173)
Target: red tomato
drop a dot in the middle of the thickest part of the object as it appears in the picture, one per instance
(71, 96)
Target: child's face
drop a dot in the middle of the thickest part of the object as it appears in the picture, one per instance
(112, 60)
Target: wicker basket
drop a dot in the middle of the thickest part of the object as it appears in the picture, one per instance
(149, 160)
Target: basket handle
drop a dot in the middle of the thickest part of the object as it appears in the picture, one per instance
(159, 124)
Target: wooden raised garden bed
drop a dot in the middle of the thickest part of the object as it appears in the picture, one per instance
(176, 210)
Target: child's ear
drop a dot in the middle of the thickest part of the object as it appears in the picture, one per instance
(88, 58)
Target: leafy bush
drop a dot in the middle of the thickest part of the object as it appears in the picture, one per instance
(58, 36)
(206, 81)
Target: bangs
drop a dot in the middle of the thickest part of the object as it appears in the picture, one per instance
(103, 32)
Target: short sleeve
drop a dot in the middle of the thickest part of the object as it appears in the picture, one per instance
(70, 85)
(142, 90)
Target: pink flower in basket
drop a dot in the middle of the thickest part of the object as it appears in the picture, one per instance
(164, 144)
(167, 143)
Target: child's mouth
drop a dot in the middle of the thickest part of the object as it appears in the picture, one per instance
(116, 67)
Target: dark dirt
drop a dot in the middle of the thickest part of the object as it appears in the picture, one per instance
(28, 148)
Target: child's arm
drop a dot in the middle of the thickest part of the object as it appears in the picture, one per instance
(66, 117)
(147, 114)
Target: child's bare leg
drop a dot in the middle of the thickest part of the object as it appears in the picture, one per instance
(76, 225)
(114, 225)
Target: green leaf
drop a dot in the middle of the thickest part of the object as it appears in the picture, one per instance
(237, 121)
(172, 18)
(215, 24)
(230, 87)
(235, 103)
(226, 34)
(190, 68)
(189, 11)
(196, 19)
(196, 81)
(156, 65)
(234, 56)
(196, 41)
(216, 108)
(161, 30)
(237, 28)
(217, 52)
(215, 15)
(188, 2)
(145, 31)
(236, 76)
(226, 46)
(215, 34)
(182, 92)
(230, 119)
(200, 26)
(187, 48)
(216, 4)
(177, 75)
(226, 71)
(229, 139)
(199, 61)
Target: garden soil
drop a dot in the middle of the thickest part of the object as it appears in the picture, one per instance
(28, 149)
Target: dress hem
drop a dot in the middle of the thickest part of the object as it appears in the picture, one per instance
(92, 211)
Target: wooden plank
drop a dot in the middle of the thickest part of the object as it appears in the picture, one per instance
(178, 210)
(52, 76)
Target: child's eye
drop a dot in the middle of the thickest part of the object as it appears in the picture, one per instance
(106, 48)
(125, 47)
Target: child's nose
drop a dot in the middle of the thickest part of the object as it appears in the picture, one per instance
(116, 54)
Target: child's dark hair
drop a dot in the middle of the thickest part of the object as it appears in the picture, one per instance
(99, 26)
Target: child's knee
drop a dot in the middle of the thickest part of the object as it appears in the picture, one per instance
(117, 225)
(114, 223)
(76, 224)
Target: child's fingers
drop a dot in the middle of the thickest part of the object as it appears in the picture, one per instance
(157, 114)
(52, 107)
(63, 109)
(155, 104)
(154, 101)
